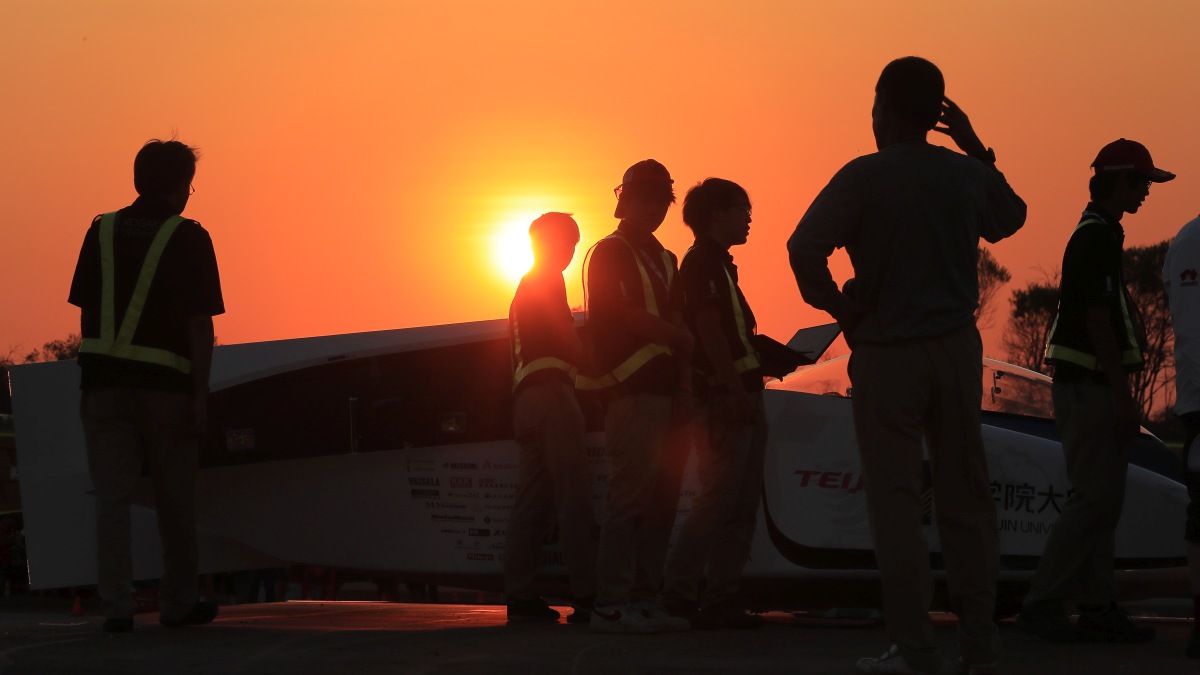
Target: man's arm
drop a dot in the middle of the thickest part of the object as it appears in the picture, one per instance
(200, 349)
(1099, 328)
(829, 223)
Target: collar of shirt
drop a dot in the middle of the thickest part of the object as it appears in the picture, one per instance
(1107, 217)
(642, 240)
(708, 246)
(150, 207)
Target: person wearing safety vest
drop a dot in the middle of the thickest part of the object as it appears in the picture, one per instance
(1095, 342)
(642, 349)
(147, 286)
(554, 484)
(731, 436)
(910, 216)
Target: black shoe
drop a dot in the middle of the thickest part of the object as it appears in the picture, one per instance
(533, 609)
(1112, 623)
(1049, 621)
(118, 624)
(1193, 648)
(201, 613)
(582, 610)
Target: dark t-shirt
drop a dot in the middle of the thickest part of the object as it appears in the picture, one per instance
(538, 312)
(706, 271)
(1091, 277)
(613, 283)
(185, 285)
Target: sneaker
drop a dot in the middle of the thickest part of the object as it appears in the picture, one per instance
(581, 610)
(118, 624)
(964, 668)
(620, 619)
(890, 662)
(656, 615)
(1193, 648)
(1049, 621)
(1112, 623)
(531, 609)
(201, 612)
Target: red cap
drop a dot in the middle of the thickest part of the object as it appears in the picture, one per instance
(1124, 155)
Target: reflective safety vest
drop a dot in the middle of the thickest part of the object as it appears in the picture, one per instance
(624, 370)
(750, 360)
(522, 370)
(119, 343)
(1061, 348)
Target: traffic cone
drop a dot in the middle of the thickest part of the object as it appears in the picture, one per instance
(77, 609)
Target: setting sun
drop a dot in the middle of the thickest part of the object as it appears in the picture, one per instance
(510, 248)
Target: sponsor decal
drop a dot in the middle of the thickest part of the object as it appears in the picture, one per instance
(479, 532)
(595, 451)
(1187, 277)
(460, 482)
(451, 518)
(831, 480)
(1024, 526)
(493, 483)
(489, 466)
(481, 556)
(460, 466)
(424, 481)
(550, 558)
(451, 531)
(425, 494)
(453, 506)
(421, 465)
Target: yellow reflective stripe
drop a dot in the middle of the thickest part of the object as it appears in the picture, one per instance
(623, 371)
(137, 302)
(121, 345)
(1129, 357)
(1135, 350)
(750, 360)
(161, 357)
(647, 288)
(522, 370)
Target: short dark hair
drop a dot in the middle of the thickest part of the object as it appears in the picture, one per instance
(1102, 185)
(161, 166)
(708, 197)
(914, 88)
(554, 224)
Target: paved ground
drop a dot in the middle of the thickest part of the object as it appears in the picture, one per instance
(40, 637)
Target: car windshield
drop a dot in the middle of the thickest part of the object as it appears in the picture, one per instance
(1006, 388)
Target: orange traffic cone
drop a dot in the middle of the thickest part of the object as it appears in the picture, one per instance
(77, 609)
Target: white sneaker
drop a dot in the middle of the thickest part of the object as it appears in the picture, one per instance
(890, 662)
(620, 619)
(656, 615)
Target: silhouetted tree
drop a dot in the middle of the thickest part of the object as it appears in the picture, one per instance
(1033, 310)
(56, 350)
(992, 275)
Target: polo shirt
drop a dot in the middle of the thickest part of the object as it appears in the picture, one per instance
(706, 271)
(538, 311)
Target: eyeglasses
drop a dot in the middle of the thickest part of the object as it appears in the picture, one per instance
(191, 190)
(617, 190)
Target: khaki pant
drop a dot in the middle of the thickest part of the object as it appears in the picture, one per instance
(643, 497)
(714, 544)
(125, 428)
(554, 484)
(1078, 559)
(929, 390)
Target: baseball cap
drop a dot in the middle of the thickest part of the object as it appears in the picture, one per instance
(1125, 155)
(647, 171)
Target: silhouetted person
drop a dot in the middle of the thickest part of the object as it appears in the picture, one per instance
(731, 436)
(641, 344)
(548, 423)
(911, 216)
(1181, 279)
(1096, 341)
(147, 287)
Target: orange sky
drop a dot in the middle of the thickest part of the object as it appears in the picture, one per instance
(360, 159)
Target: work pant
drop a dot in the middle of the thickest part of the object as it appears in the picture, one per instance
(929, 389)
(643, 497)
(554, 484)
(1078, 559)
(714, 543)
(124, 428)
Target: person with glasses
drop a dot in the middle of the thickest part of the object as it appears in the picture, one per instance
(1096, 342)
(731, 434)
(642, 349)
(147, 287)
